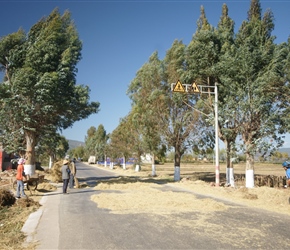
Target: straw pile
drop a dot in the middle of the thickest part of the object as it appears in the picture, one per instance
(55, 172)
(56, 175)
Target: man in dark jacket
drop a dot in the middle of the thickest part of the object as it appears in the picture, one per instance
(65, 175)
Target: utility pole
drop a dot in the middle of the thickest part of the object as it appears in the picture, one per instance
(203, 89)
(217, 165)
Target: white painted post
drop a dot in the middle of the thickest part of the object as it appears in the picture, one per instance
(153, 165)
(153, 170)
(124, 162)
(232, 178)
(250, 178)
(176, 173)
(137, 168)
(50, 162)
(29, 169)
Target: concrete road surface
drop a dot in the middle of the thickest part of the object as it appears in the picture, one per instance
(73, 221)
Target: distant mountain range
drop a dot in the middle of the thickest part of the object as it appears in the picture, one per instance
(74, 144)
(285, 150)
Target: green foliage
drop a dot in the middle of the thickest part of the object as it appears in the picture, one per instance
(143, 114)
(39, 83)
(161, 153)
(53, 145)
(123, 140)
(260, 83)
(96, 141)
(253, 95)
(78, 152)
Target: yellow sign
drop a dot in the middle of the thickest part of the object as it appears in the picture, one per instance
(178, 87)
(194, 87)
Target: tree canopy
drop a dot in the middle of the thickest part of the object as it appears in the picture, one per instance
(39, 94)
(252, 73)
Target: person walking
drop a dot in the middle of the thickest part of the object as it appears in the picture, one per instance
(65, 171)
(19, 178)
(73, 171)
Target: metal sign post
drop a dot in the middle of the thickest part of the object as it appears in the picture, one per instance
(196, 89)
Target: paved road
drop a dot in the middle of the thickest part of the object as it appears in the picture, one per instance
(73, 221)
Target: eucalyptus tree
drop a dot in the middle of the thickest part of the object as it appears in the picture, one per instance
(90, 133)
(39, 89)
(286, 95)
(226, 68)
(126, 139)
(202, 58)
(78, 152)
(176, 118)
(11, 136)
(100, 139)
(89, 141)
(120, 142)
(135, 138)
(53, 145)
(95, 142)
(261, 86)
(147, 79)
(202, 54)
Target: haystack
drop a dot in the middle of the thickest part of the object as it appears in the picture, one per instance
(56, 172)
(77, 185)
(6, 198)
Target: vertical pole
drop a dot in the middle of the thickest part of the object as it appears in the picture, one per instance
(217, 165)
(1, 158)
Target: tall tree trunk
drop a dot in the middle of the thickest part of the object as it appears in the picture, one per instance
(153, 165)
(29, 167)
(124, 162)
(1, 158)
(138, 165)
(51, 160)
(105, 161)
(250, 182)
(230, 179)
(177, 157)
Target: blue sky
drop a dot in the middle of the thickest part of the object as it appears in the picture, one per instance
(119, 36)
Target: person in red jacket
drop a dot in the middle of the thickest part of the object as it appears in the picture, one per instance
(19, 177)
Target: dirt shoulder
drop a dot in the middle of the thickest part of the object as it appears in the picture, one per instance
(14, 212)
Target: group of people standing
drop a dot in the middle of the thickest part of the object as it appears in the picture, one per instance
(68, 171)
